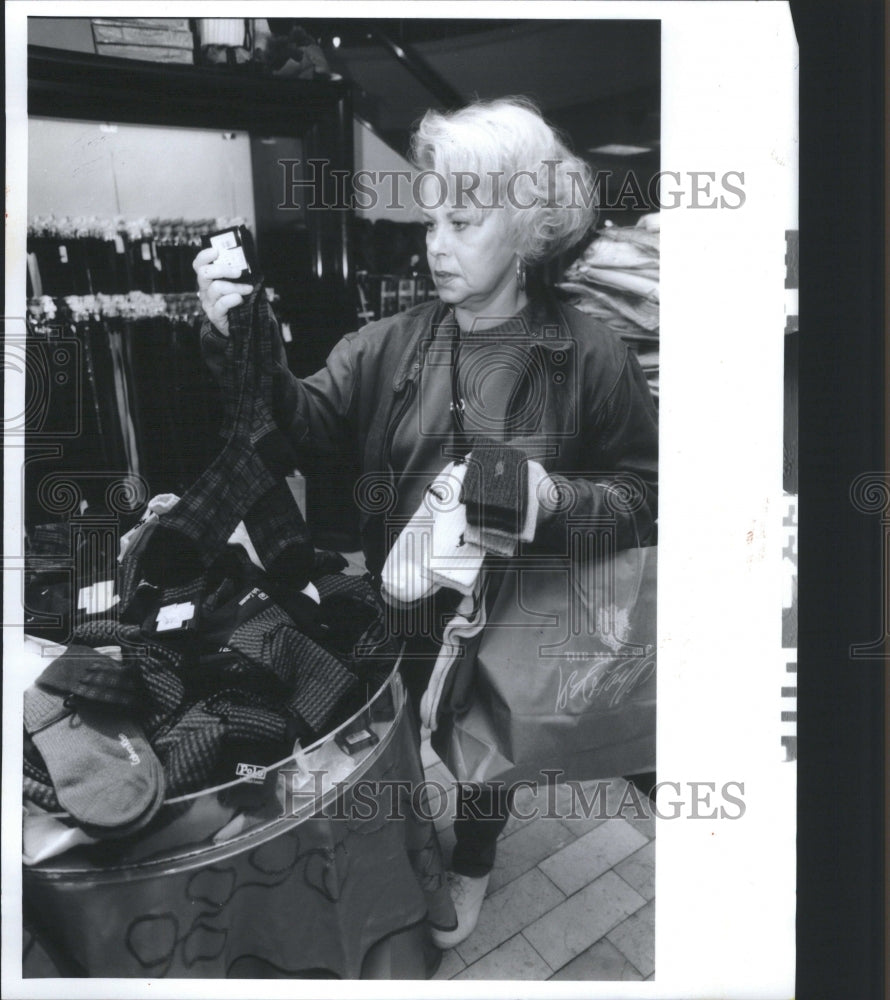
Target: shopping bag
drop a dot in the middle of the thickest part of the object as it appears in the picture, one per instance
(562, 678)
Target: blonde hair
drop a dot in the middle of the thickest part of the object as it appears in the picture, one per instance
(524, 165)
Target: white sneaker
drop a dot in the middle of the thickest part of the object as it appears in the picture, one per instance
(467, 894)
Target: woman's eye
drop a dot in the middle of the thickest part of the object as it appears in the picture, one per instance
(459, 224)
(429, 226)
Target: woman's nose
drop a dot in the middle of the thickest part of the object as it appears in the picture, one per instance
(435, 242)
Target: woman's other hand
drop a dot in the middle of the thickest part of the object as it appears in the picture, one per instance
(217, 292)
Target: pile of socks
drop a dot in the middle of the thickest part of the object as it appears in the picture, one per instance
(131, 714)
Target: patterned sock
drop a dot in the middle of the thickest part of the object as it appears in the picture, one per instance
(280, 536)
(191, 535)
(87, 673)
(495, 487)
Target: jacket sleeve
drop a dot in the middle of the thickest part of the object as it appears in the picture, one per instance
(620, 482)
(315, 413)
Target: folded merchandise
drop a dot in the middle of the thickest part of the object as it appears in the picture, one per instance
(485, 503)
(640, 310)
(494, 488)
(491, 462)
(617, 277)
(648, 360)
(633, 281)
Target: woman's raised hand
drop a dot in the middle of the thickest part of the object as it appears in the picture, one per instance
(216, 289)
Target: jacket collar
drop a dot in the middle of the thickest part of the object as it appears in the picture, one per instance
(410, 364)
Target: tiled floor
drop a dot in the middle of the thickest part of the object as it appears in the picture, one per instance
(569, 898)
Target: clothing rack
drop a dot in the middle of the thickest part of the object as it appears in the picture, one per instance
(92, 256)
(381, 295)
(119, 378)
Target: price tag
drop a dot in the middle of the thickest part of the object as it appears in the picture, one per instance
(174, 616)
(97, 597)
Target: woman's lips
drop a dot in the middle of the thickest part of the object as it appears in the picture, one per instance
(444, 275)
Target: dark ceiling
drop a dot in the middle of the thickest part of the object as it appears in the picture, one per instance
(599, 80)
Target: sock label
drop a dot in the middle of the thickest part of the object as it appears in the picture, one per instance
(124, 741)
(260, 595)
(254, 773)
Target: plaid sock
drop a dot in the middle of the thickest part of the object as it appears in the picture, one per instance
(317, 679)
(160, 670)
(322, 680)
(198, 747)
(189, 749)
(280, 536)
(248, 716)
(191, 535)
(250, 466)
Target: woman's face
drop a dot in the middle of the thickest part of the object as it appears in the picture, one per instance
(471, 256)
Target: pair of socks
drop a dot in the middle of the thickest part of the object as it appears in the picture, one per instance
(501, 542)
(245, 482)
(104, 773)
(316, 680)
(495, 487)
(159, 667)
(281, 652)
(206, 741)
(93, 674)
(432, 550)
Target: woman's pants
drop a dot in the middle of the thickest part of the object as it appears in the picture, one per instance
(482, 813)
(482, 810)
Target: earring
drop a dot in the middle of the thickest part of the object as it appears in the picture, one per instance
(520, 273)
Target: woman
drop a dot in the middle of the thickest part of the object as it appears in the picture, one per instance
(485, 366)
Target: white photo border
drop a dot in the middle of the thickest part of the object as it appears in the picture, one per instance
(725, 923)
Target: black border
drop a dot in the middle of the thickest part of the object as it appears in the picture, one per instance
(843, 411)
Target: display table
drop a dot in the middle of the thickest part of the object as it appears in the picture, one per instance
(322, 869)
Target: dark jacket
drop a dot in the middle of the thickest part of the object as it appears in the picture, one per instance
(587, 416)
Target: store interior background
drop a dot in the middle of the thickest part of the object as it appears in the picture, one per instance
(597, 80)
